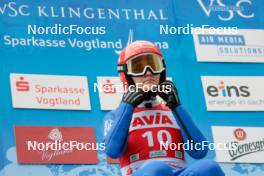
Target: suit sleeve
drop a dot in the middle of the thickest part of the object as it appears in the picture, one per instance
(190, 133)
(116, 127)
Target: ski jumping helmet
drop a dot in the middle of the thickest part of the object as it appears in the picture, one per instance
(137, 58)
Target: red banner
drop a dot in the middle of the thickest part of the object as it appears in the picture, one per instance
(60, 145)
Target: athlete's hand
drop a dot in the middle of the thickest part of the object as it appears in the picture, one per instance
(170, 96)
(133, 96)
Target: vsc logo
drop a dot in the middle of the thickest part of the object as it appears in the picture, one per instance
(227, 12)
(228, 90)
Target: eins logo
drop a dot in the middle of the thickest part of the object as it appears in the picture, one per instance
(227, 90)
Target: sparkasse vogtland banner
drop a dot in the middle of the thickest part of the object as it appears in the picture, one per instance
(49, 92)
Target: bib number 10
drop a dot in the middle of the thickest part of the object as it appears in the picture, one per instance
(159, 136)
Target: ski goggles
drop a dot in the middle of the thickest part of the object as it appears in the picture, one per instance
(138, 65)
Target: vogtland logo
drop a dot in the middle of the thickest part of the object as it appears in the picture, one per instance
(226, 90)
(56, 145)
(226, 12)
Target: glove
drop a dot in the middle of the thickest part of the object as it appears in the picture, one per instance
(134, 96)
(148, 95)
(170, 97)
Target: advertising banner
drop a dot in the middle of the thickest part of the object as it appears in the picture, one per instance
(240, 45)
(49, 92)
(233, 93)
(248, 144)
(60, 145)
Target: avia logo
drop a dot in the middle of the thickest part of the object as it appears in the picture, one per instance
(22, 85)
(227, 90)
(151, 120)
(240, 134)
(228, 11)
